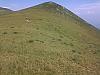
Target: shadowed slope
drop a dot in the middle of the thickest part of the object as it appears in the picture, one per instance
(38, 41)
(5, 11)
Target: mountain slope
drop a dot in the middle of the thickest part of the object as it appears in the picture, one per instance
(4, 11)
(38, 41)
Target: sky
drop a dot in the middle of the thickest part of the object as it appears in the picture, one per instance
(89, 10)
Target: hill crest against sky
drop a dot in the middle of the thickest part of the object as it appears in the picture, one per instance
(86, 9)
(5, 11)
(75, 6)
(54, 6)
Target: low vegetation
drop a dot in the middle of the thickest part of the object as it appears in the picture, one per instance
(48, 44)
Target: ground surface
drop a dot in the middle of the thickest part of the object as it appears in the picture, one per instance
(37, 41)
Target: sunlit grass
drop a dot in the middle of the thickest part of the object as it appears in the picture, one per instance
(39, 42)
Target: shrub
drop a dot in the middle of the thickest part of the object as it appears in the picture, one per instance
(59, 40)
(71, 44)
(65, 43)
(15, 32)
(73, 51)
(39, 19)
(40, 41)
(73, 59)
(37, 28)
(11, 27)
(79, 52)
(5, 33)
(61, 36)
(94, 53)
(30, 41)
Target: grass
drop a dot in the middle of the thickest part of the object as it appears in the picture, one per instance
(50, 44)
(4, 11)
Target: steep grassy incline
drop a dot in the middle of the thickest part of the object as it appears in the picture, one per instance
(38, 41)
(5, 11)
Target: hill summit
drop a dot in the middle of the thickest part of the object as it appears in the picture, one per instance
(48, 39)
(58, 9)
(52, 6)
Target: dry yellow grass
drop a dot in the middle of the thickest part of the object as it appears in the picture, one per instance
(36, 41)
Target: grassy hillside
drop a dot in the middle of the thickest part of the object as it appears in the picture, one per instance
(5, 11)
(38, 41)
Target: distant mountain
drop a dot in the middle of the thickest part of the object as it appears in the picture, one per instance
(48, 39)
(4, 11)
